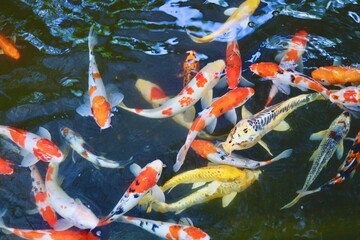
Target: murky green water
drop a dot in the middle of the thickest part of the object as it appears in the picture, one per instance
(147, 39)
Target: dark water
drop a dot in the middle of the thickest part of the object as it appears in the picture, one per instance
(147, 39)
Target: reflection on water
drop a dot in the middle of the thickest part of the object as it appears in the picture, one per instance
(147, 39)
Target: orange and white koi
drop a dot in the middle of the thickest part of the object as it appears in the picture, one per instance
(347, 170)
(197, 88)
(42, 200)
(191, 67)
(73, 211)
(78, 144)
(335, 75)
(233, 64)
(290, 58)
(145, 181)
(99, 106)
(40, 146)
(348, 99)
(238, 17)
(283, 78)
(6, 167)
(209, 151)
(166, 230)
(223, 105)
(8, 48)
(48, 234)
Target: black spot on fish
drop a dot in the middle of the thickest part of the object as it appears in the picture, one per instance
(154, 227)
(136, 195)
(137, 183)
(131, 190)
(119, 210)
(281, 71)
(355, 148)
(292, 78)
(141, 223)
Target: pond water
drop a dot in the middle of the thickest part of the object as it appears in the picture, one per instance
(147, 39)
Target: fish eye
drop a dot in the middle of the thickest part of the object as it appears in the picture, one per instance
(251, 24)
(245, 130)
(275, 13)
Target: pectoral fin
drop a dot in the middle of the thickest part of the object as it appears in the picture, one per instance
(211, 126)
(189, 114)
(340, 149)
(282, 126)
(212, 187)
(62, 225)
(265, 146)
(279, 56)
(318, 136)
(29, 160)
(115, 99)
(231, 116)
(84, 110)
(283, 87)
(230, 11)
(44, 133)
(157, 193)
(222, 83)
(206, 100)
(245, 83)
(198, 184)
(227, 199)
(245, 113)
(32, 211)
(186, 221)
(135, 169)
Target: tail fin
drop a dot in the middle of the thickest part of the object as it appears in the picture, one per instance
(305, 193)
(282, 155)
(4, 228)
(180, 158)
(293, 202)
(92, 40)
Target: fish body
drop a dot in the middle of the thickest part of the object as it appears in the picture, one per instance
(349, 97)
(74, 213)
(78, 144)
(40, 147)
(191, 67)
(239, 17)
(167, 230)
(99, 106)
(233, 64)
(229, 101)
(203, 82)
(6, 167)
(283, 78)
(9, 48)
(41, 197)
(217, 155)
(145, 180)
(333, 75)
(249, 131)
(332, 140)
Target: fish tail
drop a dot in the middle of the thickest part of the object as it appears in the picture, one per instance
(92, 39)
(293, 202)
(284, 154)
(304, 193)
(4, 228)
(180, 158)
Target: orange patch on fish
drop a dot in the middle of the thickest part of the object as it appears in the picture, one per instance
(18, 136)
(101, 110)
(46, 150)
(5, 167)
(144, 181)
(167, 111)
(29, 234)
(49, 174)
(185, 101)
(157, 93)
(203, 147)
(174, 232)
(350, 96)
(200, 80)
(138, 110)
(96, 75)
(189, 90)
(9, 48)
(92, 90)
(198, 125)
(40, 197)
(49, 215)
(194, 233)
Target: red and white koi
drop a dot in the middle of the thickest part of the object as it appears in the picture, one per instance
(73, 211)
(6, 167)
(197, 88)
(209, 151)
(191, 67)
(347, 170)
(283, 78)
(145, 181)
(348, 99)
(238, 17)
(40, 147)
(42, 200)
(233, 64)
(336, 75)
(223, 105)
(8, 48)
(99, 106)
(166, 230)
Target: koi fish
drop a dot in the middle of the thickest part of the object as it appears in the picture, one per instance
(73, 211)
(233, 64)
(191, 67)
(166, 230)
(6, 167)
(78, 144)
(208, 117)
(7, 47)
(48, 234)
(42, 200)
(347, 170)
(145, 181)
(238, 17)
(334, 75)
(249, 130)
(39, 146)
(201, 84)
(348, 99)
(283, 78)
(225, 190)
(208, 150)
(99, 106)
(332, 140)
(291, 58)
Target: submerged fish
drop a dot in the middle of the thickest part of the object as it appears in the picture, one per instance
(99, 106)
(249, 130)
(8, 48)
(226, 104)
(166, 230)
(347, 170)
(146, 180)
(191, 67)
(73, 211)
(239, 17)
(332, 140)
(78, 144)
(33, 145)
(6, 167)
(233, 64)
(334, 75)
(348, 99)
(197, 88)
(208, 150)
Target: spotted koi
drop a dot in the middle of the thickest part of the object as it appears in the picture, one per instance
(347, 99)
(233, 64)
(8, 48)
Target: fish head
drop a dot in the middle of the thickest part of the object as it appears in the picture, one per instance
(242, 136)
(346, 96)
(83, 217)
(323, 75)
(266, 69)
(46, 150)
(14, 53)
(213, 70)
(158, 166)
(151, 92)
(101, 111)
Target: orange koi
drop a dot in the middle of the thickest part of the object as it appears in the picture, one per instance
(191, 67)
(6, 167)
(233, 64)
(8, 48)
(332, 75)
